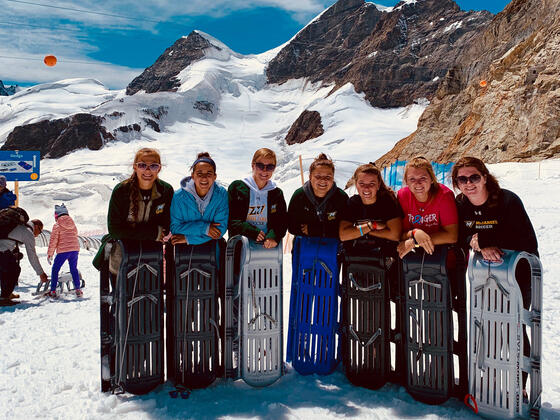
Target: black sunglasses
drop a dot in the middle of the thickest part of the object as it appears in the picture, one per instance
(262, 167)
(474, 179)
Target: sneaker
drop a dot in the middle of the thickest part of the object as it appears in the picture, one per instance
(51, 294)
(79, 293)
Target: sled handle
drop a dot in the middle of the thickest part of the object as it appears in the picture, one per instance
(364, 289)
(370, 341)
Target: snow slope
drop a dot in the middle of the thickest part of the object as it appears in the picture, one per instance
(49, 357)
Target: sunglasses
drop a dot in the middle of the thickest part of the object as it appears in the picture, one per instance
(474, 179)
(143, 166)
(262, 167)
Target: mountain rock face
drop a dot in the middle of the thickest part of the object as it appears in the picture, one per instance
(392, 57)
(308, 126)
(161, 76)
(6, 91)
(56, 138)
(501, 101)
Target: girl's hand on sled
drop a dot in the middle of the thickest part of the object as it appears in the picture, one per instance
(178, 239)
(405, 247)
(492, 253)
(261, 236)
(270, 243)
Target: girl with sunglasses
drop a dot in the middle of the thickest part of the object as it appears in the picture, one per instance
(199, 210)
(315, 208)
(491, 219)
(257, 205)
(430, 213)
(139, 208)
(374, 211)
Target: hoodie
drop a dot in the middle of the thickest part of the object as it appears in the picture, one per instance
(243, 202)
(191, 215)
(258, 200)
(64, 236)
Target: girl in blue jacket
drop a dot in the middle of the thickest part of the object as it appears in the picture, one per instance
(199, 209)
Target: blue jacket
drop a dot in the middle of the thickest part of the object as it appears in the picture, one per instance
(187, 219)
(7, 199)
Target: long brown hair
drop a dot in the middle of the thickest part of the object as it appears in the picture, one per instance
(492, 184)
(371, 169)
(133, 179)
(321, 160)
(420, 162)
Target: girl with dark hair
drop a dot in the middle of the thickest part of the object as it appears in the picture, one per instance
(491, 219)
(199, 210)
(139, 206)
(315, 208)
(257, 205)
(430, 214)
(374, 211)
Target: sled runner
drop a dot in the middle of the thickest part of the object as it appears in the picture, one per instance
(132, 319)
(497, 363)
(369, 285)
(430, 348)
(313, 331)
(194, 347)
(253, 345)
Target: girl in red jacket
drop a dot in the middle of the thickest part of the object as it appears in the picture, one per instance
(64, 241)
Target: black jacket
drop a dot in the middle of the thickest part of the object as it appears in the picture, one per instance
(501, 222)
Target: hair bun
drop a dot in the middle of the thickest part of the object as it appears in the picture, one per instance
(203, 154)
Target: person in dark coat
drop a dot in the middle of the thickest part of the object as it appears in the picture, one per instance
(491, 219)
(315, 208)
(139, 208)
(257, 208)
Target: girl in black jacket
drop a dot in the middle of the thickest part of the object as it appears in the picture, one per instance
(257, 208)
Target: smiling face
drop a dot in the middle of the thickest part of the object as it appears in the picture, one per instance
(321, 180)
(203, 176)
(419, 182)
(263, 168)
(367, 186)
(147, 168)
(476, 192)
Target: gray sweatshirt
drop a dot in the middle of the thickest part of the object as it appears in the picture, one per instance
(23, 235)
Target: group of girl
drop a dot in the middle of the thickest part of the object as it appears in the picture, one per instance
(424, 213)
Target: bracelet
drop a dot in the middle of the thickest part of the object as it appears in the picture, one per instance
(374, 225)
(413, 238)
(361, 231)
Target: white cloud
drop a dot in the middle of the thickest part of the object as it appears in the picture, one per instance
(33, 31)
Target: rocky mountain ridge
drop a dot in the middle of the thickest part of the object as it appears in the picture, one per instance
(501, 100)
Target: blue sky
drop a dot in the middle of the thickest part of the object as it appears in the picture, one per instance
(122, 37)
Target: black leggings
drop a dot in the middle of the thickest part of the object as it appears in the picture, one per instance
(9, 273)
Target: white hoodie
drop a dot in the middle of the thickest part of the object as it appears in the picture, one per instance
(258, 203)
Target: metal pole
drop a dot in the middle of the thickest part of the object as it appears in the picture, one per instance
(16, 192)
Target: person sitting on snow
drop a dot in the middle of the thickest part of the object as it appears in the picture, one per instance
(10, 256)
(7, 198)
(64, 241)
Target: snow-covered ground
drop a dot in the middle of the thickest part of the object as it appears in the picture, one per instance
(49, 352)
(50, 365)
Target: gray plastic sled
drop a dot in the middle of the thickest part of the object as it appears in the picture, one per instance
(496, 361)
(253, 310)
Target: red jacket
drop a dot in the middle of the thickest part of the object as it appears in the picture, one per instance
(64, 236)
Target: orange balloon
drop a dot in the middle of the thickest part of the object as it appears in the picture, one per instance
(50, 60)
(483, 83)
